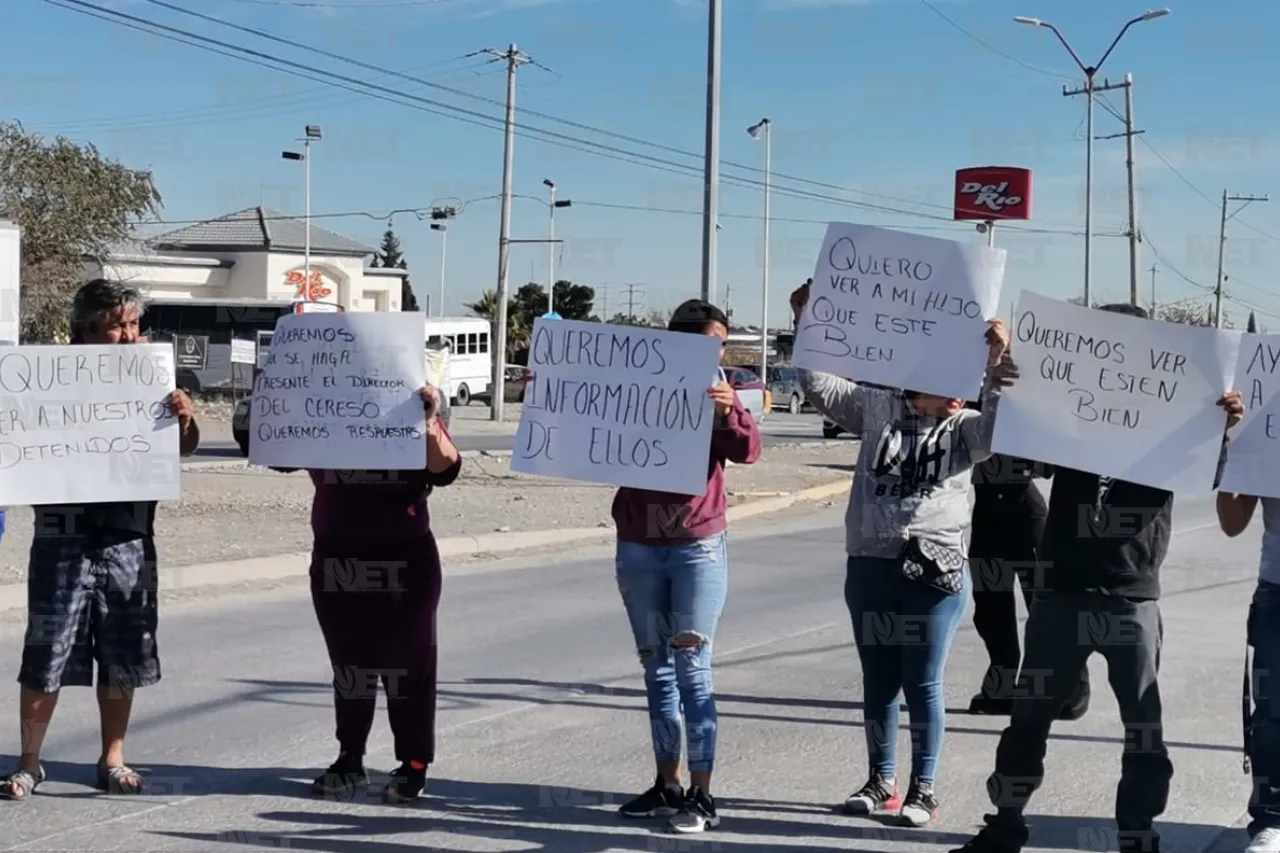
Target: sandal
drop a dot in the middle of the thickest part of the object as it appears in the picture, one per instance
(20, 781)
(119, 780)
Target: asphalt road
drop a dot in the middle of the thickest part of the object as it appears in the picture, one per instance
(780, 428)
(543, 729)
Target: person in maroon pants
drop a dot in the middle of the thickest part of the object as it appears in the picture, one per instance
(375, 584)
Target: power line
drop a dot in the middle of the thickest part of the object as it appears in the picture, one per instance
(401, 98)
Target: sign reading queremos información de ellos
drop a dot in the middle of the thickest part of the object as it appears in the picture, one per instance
(340, 391)
(618, 405)
(900, 309)
(87, 424)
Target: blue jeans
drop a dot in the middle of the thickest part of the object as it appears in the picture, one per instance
(674, 596)
(903, 630)
(1264, 751)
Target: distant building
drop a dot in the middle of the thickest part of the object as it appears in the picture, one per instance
(235, 275)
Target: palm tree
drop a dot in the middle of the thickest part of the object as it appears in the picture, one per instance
(517, 331)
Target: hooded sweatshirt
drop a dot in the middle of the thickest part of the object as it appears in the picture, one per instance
(913, 474)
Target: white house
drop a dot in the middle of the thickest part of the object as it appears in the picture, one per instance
(233, 277)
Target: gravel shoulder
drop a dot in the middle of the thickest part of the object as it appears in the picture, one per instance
(236, 512)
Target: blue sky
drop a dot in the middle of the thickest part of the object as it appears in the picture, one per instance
(874, 102)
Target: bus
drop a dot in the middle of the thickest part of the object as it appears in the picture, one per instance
(470, 354)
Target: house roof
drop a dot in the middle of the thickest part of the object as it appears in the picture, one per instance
(258, 228)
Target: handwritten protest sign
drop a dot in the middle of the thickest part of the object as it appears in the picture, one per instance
(10, 278)
(1116, 395)
(340, 391)
(901, 310)
(1253, 456)
(87, 424)
(621, 405)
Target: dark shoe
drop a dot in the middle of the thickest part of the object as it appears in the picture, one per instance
(661, 799)
(998, 836)
(990, 706)
(406, 783)
(344, 778)
(878, 795)
(1074, 711)
(920, 806)
(697, 813)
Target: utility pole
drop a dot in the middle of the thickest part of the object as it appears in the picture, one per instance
(1222, 245)
(514, 59)
(1089, 89)
(1153, 292)
(603, 290)
(711, 155)
(632, 291)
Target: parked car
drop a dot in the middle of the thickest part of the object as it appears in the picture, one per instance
(240, 417)
(516, 377)
(785, 390)
(754, 395)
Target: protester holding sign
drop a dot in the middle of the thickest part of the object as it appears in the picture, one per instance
(375, 584)
(1262, 631)
(1104, 543)
(92, 585)
(906, 583)
(673, 574)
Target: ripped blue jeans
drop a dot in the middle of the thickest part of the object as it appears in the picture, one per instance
(674, 595)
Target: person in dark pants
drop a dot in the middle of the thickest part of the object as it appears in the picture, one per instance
(375, 585)
(1009, 516)
(92, 585)
(1105, 541)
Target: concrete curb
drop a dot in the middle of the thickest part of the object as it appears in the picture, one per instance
(288, 566)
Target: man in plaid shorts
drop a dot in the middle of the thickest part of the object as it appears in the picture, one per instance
(92, 586)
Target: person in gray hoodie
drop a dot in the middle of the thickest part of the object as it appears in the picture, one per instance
(907, 583)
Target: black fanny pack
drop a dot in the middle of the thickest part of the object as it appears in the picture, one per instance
(934, 565)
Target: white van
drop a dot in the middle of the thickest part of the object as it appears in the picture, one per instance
(470, 354)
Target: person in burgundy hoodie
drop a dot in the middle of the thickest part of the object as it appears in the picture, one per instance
(375, 584)
(673, 574)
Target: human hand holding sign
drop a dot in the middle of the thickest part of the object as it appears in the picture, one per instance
(997, 341)
(799, 299)
(723, 395)
(1234, 404)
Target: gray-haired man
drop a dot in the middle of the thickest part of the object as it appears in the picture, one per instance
(92, 585)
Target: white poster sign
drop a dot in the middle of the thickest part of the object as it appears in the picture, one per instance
(1117, 395)
(1253, 456)
(901, 310)
(10, 281)
(243, 352)
(85, 424)
(619, 405)
(340, 391)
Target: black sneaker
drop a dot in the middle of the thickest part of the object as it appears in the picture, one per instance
(697, 813)
(344, 778)
(661, 799)
(878, 795)
(1138, 841)
(990, 706)
(996, 837)
(920, 806)
(406, 783)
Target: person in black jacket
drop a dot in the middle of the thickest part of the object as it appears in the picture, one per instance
(1009, 514)
(1105, 540)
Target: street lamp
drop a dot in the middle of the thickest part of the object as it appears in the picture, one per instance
(552, 204)
(764, 128)
(1090, 71)
(440, 217)
(310, 134)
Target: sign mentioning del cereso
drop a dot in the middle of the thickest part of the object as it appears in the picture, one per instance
(988, 193)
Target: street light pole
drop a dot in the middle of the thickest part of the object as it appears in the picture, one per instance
(440, 217)
(765, 128)
(551, 248)
(1090, 72)
(310, 134)
(711, 156)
